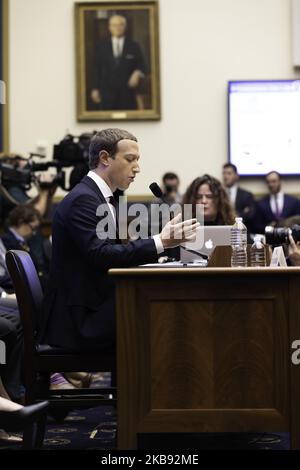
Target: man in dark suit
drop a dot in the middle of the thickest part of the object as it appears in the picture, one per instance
(80, 299)
(120, 67)
(23, 222)
(277, 205)
(241, 200)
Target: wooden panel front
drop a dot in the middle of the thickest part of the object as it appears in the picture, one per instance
(203, 355)
(212, 354)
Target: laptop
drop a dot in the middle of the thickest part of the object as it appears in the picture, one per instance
(209, 237)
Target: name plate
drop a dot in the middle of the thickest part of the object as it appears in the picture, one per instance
(278, 258)
(119, 115)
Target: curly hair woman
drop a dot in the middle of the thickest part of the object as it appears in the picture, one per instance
(208, 191)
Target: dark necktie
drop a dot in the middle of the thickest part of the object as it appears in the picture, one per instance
(119, 53)
(115, 205)
(24, 246)
(277, 212)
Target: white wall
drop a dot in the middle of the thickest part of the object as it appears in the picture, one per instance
(203, 44)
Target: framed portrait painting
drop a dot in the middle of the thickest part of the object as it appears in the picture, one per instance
(117, 58)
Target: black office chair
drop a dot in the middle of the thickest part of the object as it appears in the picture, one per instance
(29, 419)
(40, 360)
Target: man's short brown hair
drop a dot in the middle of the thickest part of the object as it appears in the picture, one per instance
(106, 140)
(22, 214)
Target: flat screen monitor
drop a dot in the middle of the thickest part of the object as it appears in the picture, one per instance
(264, 126)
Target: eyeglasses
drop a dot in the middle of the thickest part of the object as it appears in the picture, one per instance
(33, 228)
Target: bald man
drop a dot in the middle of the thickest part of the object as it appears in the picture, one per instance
(120, 67)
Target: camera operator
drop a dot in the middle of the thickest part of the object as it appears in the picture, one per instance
(17, 178)
(294, 251)
(17, 192)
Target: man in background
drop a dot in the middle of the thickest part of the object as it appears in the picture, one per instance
(22, 225)
(120, 67)
(170, 188)
(277, 205)
(241, 200)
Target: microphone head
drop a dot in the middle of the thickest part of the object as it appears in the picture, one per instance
(155, 189)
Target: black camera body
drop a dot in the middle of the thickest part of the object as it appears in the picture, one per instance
(280, 235)
(71, 151)
(13, 175)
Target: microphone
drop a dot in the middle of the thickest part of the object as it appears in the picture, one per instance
(157, 192)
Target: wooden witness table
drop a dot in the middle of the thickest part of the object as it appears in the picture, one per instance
(207, 350)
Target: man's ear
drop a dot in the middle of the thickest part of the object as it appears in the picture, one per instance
(104, 158)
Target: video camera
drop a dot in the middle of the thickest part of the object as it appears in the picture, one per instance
(280, 235)
(72, 151)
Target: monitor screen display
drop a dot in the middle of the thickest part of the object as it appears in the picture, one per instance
(264, 126)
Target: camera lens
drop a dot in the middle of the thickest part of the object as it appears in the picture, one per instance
(276, 235)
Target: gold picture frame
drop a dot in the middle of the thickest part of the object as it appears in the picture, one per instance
(117, 60)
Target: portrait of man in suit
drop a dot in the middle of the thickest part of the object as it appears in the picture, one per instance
(117, 58)
(121, 67)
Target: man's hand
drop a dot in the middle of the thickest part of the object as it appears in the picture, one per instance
(46, 179)
(45, 184)
(46, 190)
(294, 251)
(96, 96)
(176, 232)
(134, 79)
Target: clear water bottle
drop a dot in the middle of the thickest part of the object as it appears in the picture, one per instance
(258, 252)
(239, 244)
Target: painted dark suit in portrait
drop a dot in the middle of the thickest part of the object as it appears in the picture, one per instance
(114, 74)
(120, 67)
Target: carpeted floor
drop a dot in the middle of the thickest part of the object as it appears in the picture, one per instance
(96, 429)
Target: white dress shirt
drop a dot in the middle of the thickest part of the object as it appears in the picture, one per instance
(232, 194)
(117, 46)
(280, 201)
(105, 190)
(107, 193)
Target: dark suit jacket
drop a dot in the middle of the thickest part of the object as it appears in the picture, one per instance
(34, 246)
(113, 76)
(80, 299)
(11, 242)
(291, 206)
(244, 199)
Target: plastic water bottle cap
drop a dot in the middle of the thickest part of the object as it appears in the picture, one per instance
(239, 219)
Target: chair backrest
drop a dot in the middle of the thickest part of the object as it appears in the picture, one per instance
(28, 292)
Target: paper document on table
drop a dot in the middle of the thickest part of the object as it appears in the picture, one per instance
(175, 264)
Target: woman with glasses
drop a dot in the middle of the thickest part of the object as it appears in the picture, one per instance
(209, 192)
